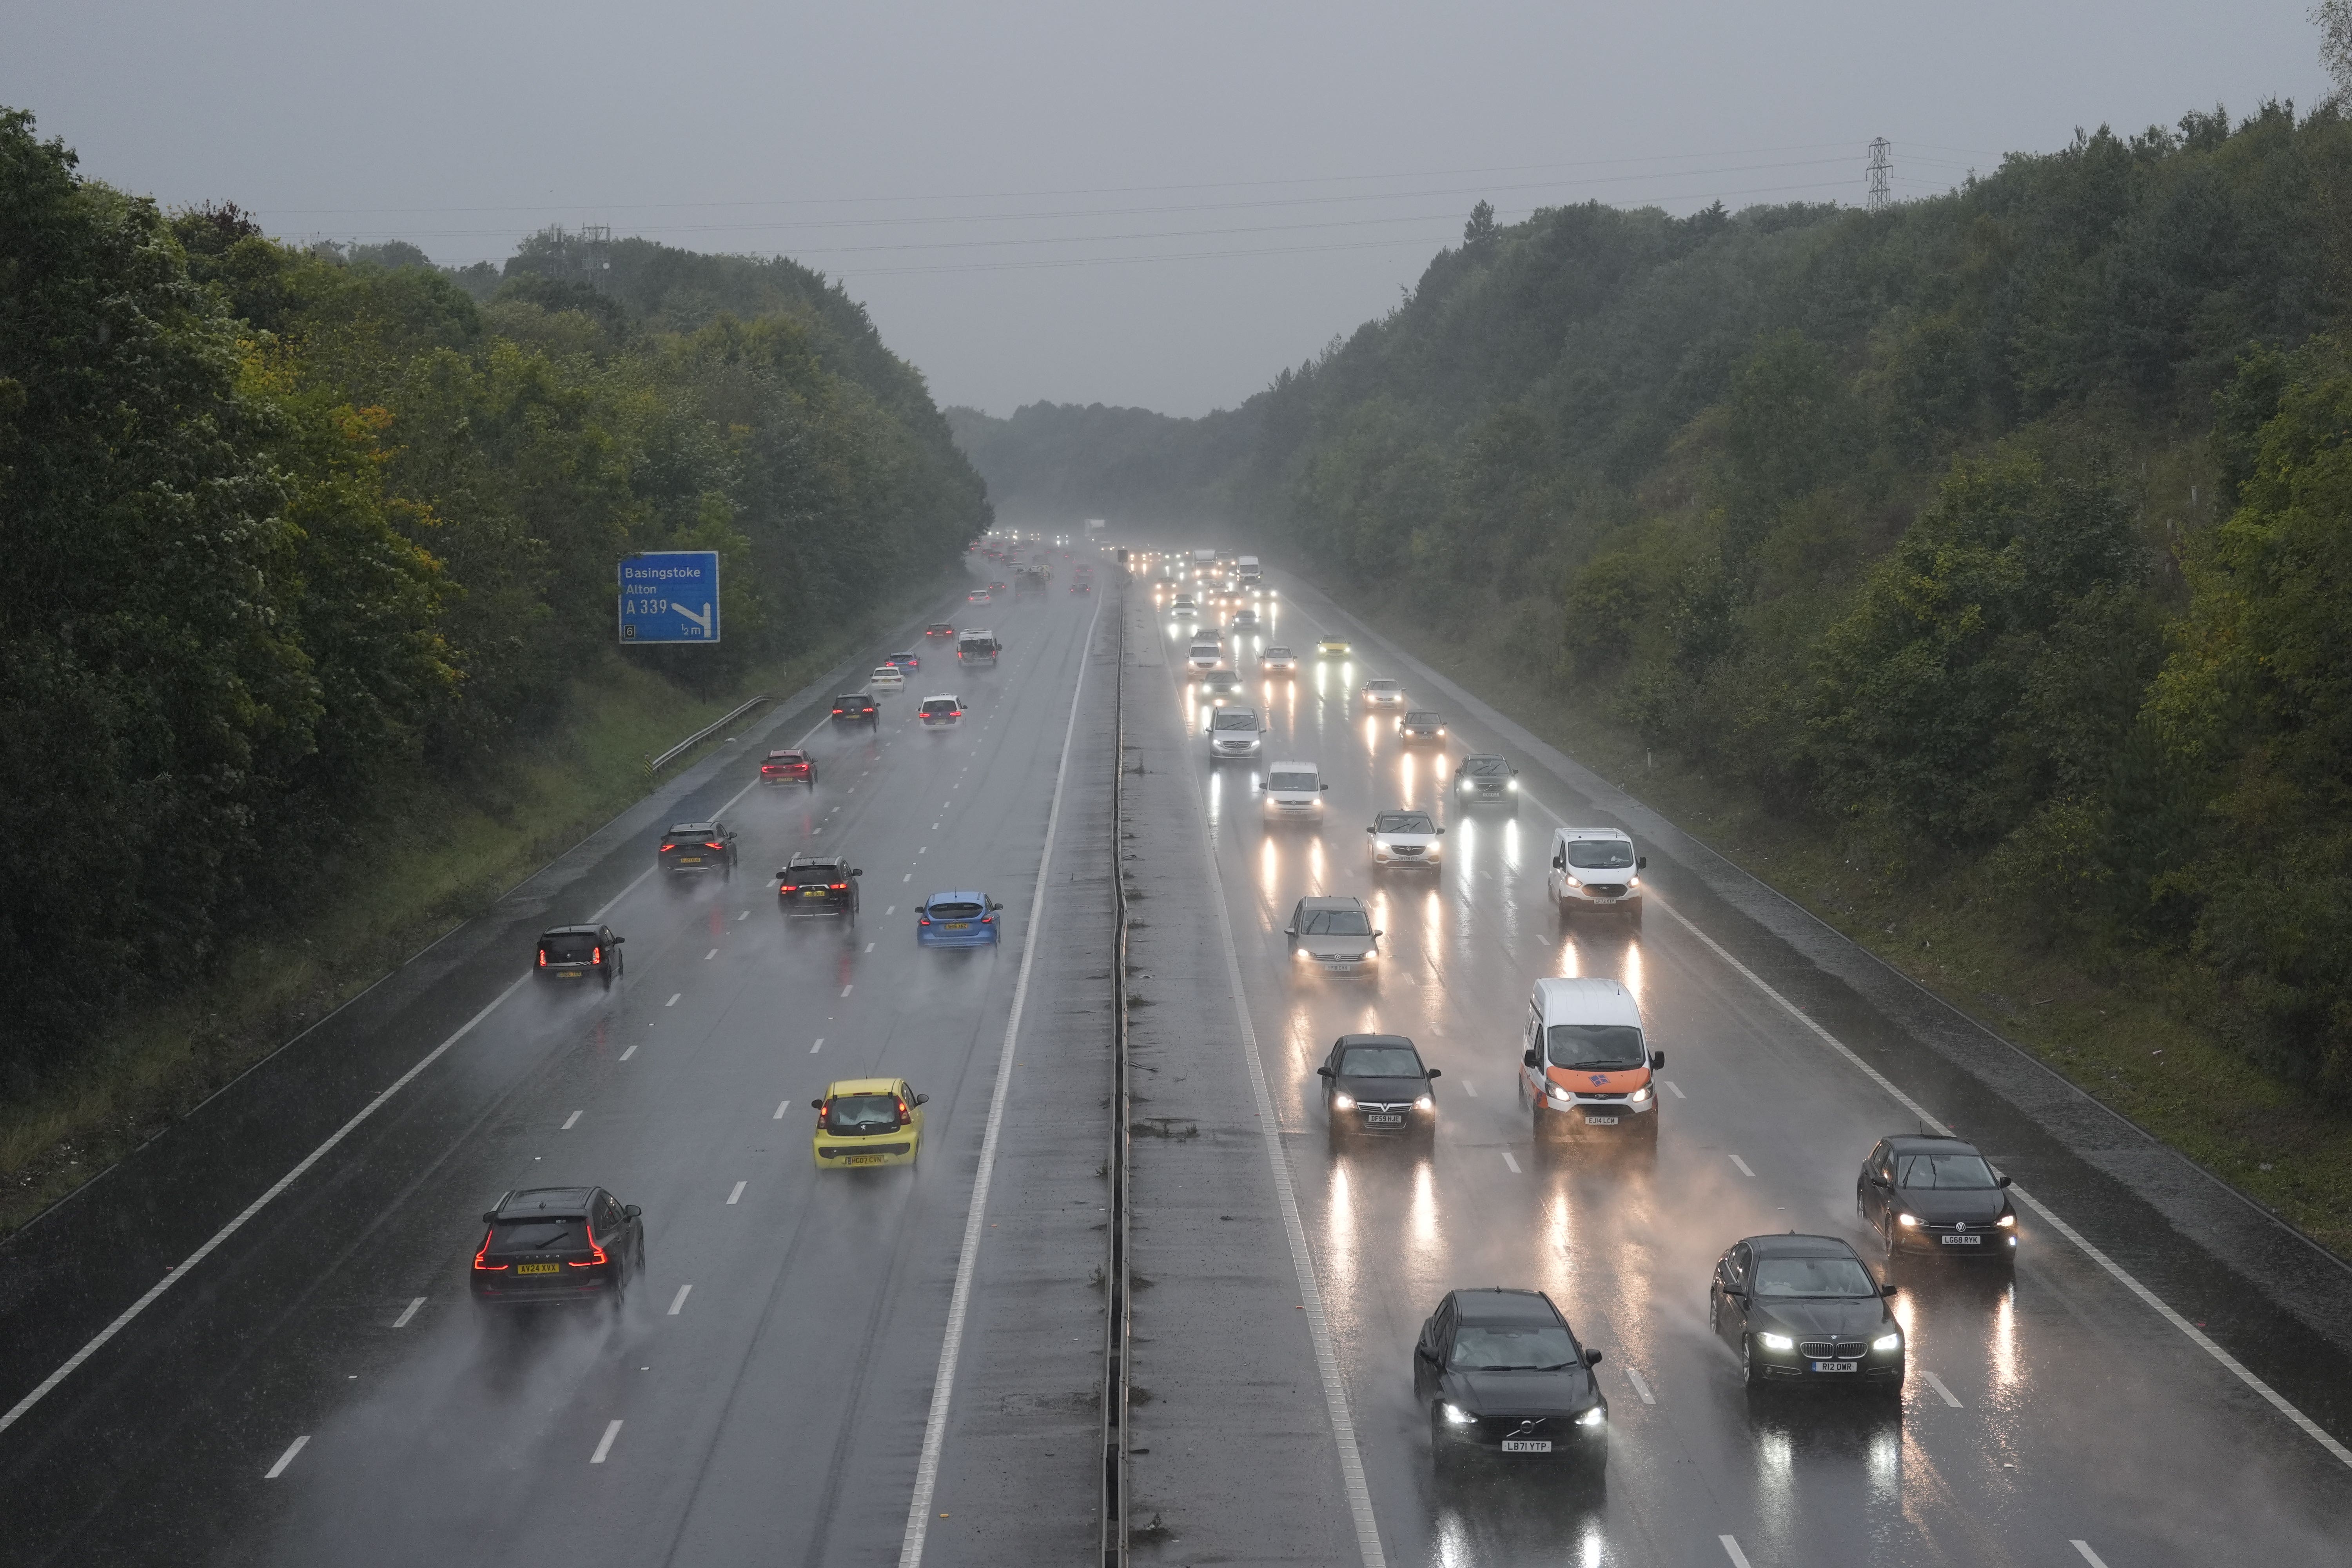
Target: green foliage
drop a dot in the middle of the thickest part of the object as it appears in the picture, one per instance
(296, 527)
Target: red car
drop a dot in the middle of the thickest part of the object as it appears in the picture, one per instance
(788, 767)
(939, 629)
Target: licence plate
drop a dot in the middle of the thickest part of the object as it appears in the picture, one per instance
(567, 973)
(1836, 1365)
(864, 1159)
(1964, 1241)
(1384, 1120)
(1602, 1121)
(1527, 1444)
(539, 1268)
(959, 925)
(689, 859)
(813, 893)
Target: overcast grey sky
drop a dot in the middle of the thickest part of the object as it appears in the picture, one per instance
(1158, 206)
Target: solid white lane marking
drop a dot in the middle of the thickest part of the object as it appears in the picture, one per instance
(782, 1106)
(1731, 1550)
(735, 1196)
(604, 1443)
(818, 1046)
(1938, 1384)
(627, 1054)
(287, 1458)
(678, 1301)
(1513, 1164)
(848, 988)
(869, 947)
(1640, 1387)
(401, 1320)
(935, 1426)
(673, 1001)
(1742, 1164)
(711, 955)
(1673, 1089)
(2194, 1335)
(570, 1119)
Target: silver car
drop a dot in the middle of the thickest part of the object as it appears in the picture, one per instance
(1333, 935)
(1405, 838)
(1382, 692)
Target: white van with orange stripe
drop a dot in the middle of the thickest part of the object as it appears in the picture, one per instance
(1586, 1062)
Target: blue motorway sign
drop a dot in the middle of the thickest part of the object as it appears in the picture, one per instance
(670, 595)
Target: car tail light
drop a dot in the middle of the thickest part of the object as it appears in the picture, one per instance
(542, 958)
(925, 920)
(597, 956)
(481, 1258)
(667, 848)
(838, 886)
(714, 846)
(902, 1113)
(590, 1232)
(823, 1112)
(986, 919)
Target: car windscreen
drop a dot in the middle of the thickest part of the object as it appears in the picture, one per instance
(569, 949)
(1403, 821)
(1336, 922)
(1600, 853)
(812, 876)
(862, 1113)
(1279, 652)
(1234, 718)
(1382, 686)
(538, 1234)
(1381, 1061)
(1485, 767)
(787, 757)
(977, 645)
(1964, 1173)
(853, 699)
(1513, 1347)
(1812, 1277)
(1295, 782)
(957, 910)
(1595, 1047)
(939, 705)
(1419, 718)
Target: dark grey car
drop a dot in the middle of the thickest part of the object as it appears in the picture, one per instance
(1499, 1371)
(1927, 1194)
(1805, 1310)
(1378, 1084)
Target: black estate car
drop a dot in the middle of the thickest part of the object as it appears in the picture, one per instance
(578, 952)
(1805, 1310)
(558, 1244)
(690, 848)
(1500, 1371)
(1376, 1083)
(819, 884)
(1937, 1194)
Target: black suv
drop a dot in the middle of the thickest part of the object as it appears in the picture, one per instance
(819, 884)
(576, 953)
(1501, 1371)
(690, 848)
(857, 707)
(558, 1244)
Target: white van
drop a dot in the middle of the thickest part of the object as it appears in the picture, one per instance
(1203, 655)
(1294, 790)
(1585, 1059)
(1595, 869)
(1233, 734)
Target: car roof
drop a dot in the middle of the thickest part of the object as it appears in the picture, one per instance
(1794, 1246)
(788, 752)
(1341, 901)
(1917, 1143)
(966, 895)
(1379, 1040)
(1503, 1304)
(540, 1200)
(855, 697)
(943, 697)
(570, 930)
(1294, 767)
(691, 827)
(1485, 757)
(817, 861)
(1384, 680)
(861, 1086)
(1422, 713)
(1592, 999)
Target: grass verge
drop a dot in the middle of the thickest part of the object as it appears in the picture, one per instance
(436, 860)
(2125, 1028)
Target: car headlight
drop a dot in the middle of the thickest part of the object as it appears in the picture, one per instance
(1592, 1418)
(1885, 1342)
(1343, 1102)
(1301, 954)
(1639, 1095)
(1560, 1094)
(1424, 1103)
(1459, 1416)
(2006, 1219)
(1776, 1342)
(1633, 882)
(1907, 1221)
(1380, 846)
(1572, 881)
(1513, 786)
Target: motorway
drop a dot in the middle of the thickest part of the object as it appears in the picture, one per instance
(321, 1389)
(2057, 1418)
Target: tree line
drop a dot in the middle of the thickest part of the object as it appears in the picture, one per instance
(2008, 530)
(289, 530)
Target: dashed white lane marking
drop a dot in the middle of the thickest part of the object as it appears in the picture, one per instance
(888, 913)
(744, 916)
(935, 828)
(1938, 1384)
(1731, 1550)
(287, 1458)
(401, 1320)
(924, 850)
(848, 988)
(1469, 1089)
(869, 947)
(818, 1046)
(736, 1195)
(613, 1430)
(707, 957)
(1513, 1164)
(2089, 1557)
(1677, 1093)
(908, 878)
(673, 1001)
(627, 1054)
(1742, 1164)
(1639, 1386)
(782, 1106)
(570, 1119)
(678, 1301)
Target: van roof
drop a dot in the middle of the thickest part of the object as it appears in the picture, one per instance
(1594, 833)
(1292, 768)
(1587, 1000)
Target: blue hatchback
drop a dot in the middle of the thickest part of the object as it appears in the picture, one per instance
(957, 919)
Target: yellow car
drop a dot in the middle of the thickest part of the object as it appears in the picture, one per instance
(1333, 647)
(868, 1122)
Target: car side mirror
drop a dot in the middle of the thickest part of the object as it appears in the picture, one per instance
(1437, 1072)
(1640, 862)
(923, 1100)
(1325, 788)
(1876, 1180)
(1441, 833)
(857, 870)
(1378, 934)
(994, 905)
(620, 940)
(1592, 1358)
(1259, 787)
(1372, 830)
(490, 1217)
(1734, 1293)
(2001, 1181)
(1322, 1072)
(633, 1212)
(1290, 931)
(1530, 1057)
(1560, 863)
(1426, 1353)
(1887, 1289)
(816, 1105)
(1657, 1060)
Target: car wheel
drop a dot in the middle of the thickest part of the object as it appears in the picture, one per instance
(1750, 1371)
